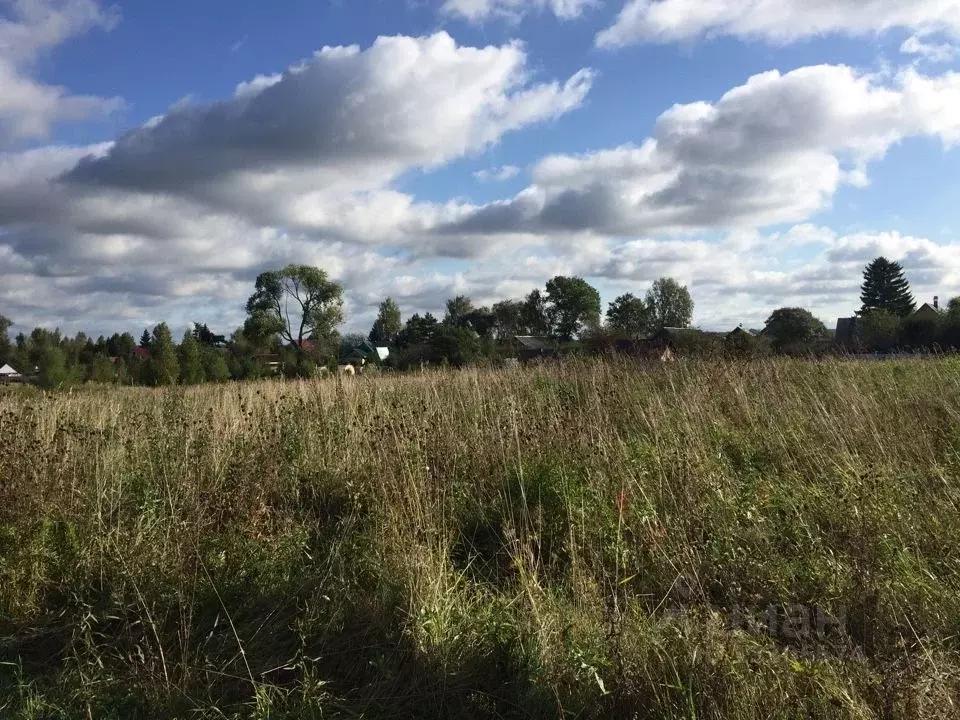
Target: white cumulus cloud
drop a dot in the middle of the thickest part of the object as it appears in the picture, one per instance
(497, 174)
(779, 22)
(773, 150)
(481, 10)
(28, 107)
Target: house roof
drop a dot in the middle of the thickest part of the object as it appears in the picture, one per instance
(367, 349)
(927, 308)
(141, 352)
(532, 342)
(7, 371)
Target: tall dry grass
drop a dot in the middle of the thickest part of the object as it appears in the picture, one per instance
(587, 540)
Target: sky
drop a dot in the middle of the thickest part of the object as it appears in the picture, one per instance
(156, 157)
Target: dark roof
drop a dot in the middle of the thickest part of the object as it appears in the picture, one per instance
(141, 352)
(532, 342)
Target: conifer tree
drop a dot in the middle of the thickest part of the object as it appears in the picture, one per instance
(191, 364)
(164, 365)
(886, 288)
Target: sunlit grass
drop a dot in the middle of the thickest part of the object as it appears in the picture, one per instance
(581, 540)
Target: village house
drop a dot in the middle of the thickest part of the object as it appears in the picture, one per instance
(9, 374)
(531, 347)
(367, 352)
(848, 334)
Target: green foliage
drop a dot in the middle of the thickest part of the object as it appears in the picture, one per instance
(387, 326)
(670, 304)
(455, 345)
(629, 315)
(578, 540)
(886, 288)
(163, 367)
(880, 330)
(458, 309)
(102, 370)
(573, 304)
(418, 330)
(205, 336)
(121, 346)
(794, 330)
(744, 344)
(191, 362)
(509, 318)
(53, 367)
(6, 347)
(215, 367)
(145, 339)
(534, 314)
(296, 303)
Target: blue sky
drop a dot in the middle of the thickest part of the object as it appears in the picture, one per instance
(476, 147)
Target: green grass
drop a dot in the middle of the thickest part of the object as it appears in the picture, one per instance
(581, 541)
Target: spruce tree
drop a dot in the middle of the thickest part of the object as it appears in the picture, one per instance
(191, 364)
(886, 288)
(145, 339)
(164, 365)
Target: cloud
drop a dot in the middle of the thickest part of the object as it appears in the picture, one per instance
(779, 22)
(29, 108)
(293, 167)
(478, 11)
(370, 114)
(774, 150)
(932, 52)
(497, 174)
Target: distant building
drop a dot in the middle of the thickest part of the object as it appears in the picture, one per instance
(7, 373)
(271, 362)
(367, 352)
(928, 311)
(529, 347)
(847, 335)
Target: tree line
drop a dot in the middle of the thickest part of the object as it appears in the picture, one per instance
(294, 315)
(293, 320)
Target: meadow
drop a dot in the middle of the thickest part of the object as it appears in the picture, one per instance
(767, 540)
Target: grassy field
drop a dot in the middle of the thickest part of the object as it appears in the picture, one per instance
(764, 541)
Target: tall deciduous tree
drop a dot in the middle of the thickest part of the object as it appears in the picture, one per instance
(296, 303)
(670, 304)
(793, 330)
(508, 318)
(458, 309)
(629, 315)
(885, 287)
(164, 365)
(574, 304)
(535, 318)
(388, 324)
